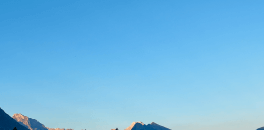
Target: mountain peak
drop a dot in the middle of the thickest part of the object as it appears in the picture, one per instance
(8, 123)
(18, 116)
(136, 125)
(141, 126)
(153, 123)
(138, 122)
(32, 124)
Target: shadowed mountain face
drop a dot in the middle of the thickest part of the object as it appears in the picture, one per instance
(142, 126)
(8, 123)
(33, 124)
(157, 126)
(262, 128)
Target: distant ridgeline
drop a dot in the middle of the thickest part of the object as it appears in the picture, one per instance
(21, 122)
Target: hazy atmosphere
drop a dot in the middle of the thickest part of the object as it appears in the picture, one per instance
(103, 64)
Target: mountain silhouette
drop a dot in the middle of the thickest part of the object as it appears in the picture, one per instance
(33, 124)
(142, 126)
(8, 123)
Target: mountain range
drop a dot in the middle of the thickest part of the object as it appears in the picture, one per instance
(22, 122)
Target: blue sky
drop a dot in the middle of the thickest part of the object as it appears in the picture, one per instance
(102, 64)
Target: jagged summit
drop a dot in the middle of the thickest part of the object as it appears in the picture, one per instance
(18, 114)
(153, 123)
(138, 122)
(135, 125)
(141, 126)
(32, 124)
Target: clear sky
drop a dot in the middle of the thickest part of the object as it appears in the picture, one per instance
(102, 64)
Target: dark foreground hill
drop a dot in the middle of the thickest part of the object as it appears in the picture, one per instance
(8, 123)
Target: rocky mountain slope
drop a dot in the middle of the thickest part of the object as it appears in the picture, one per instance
(30, 123)
(33, 124)
(8, 123)
(142, 126)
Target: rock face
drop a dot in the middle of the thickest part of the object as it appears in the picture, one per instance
(32, 124)
(8, 123)
(142, 126)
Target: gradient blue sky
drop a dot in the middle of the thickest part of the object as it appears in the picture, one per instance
(102, 64)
